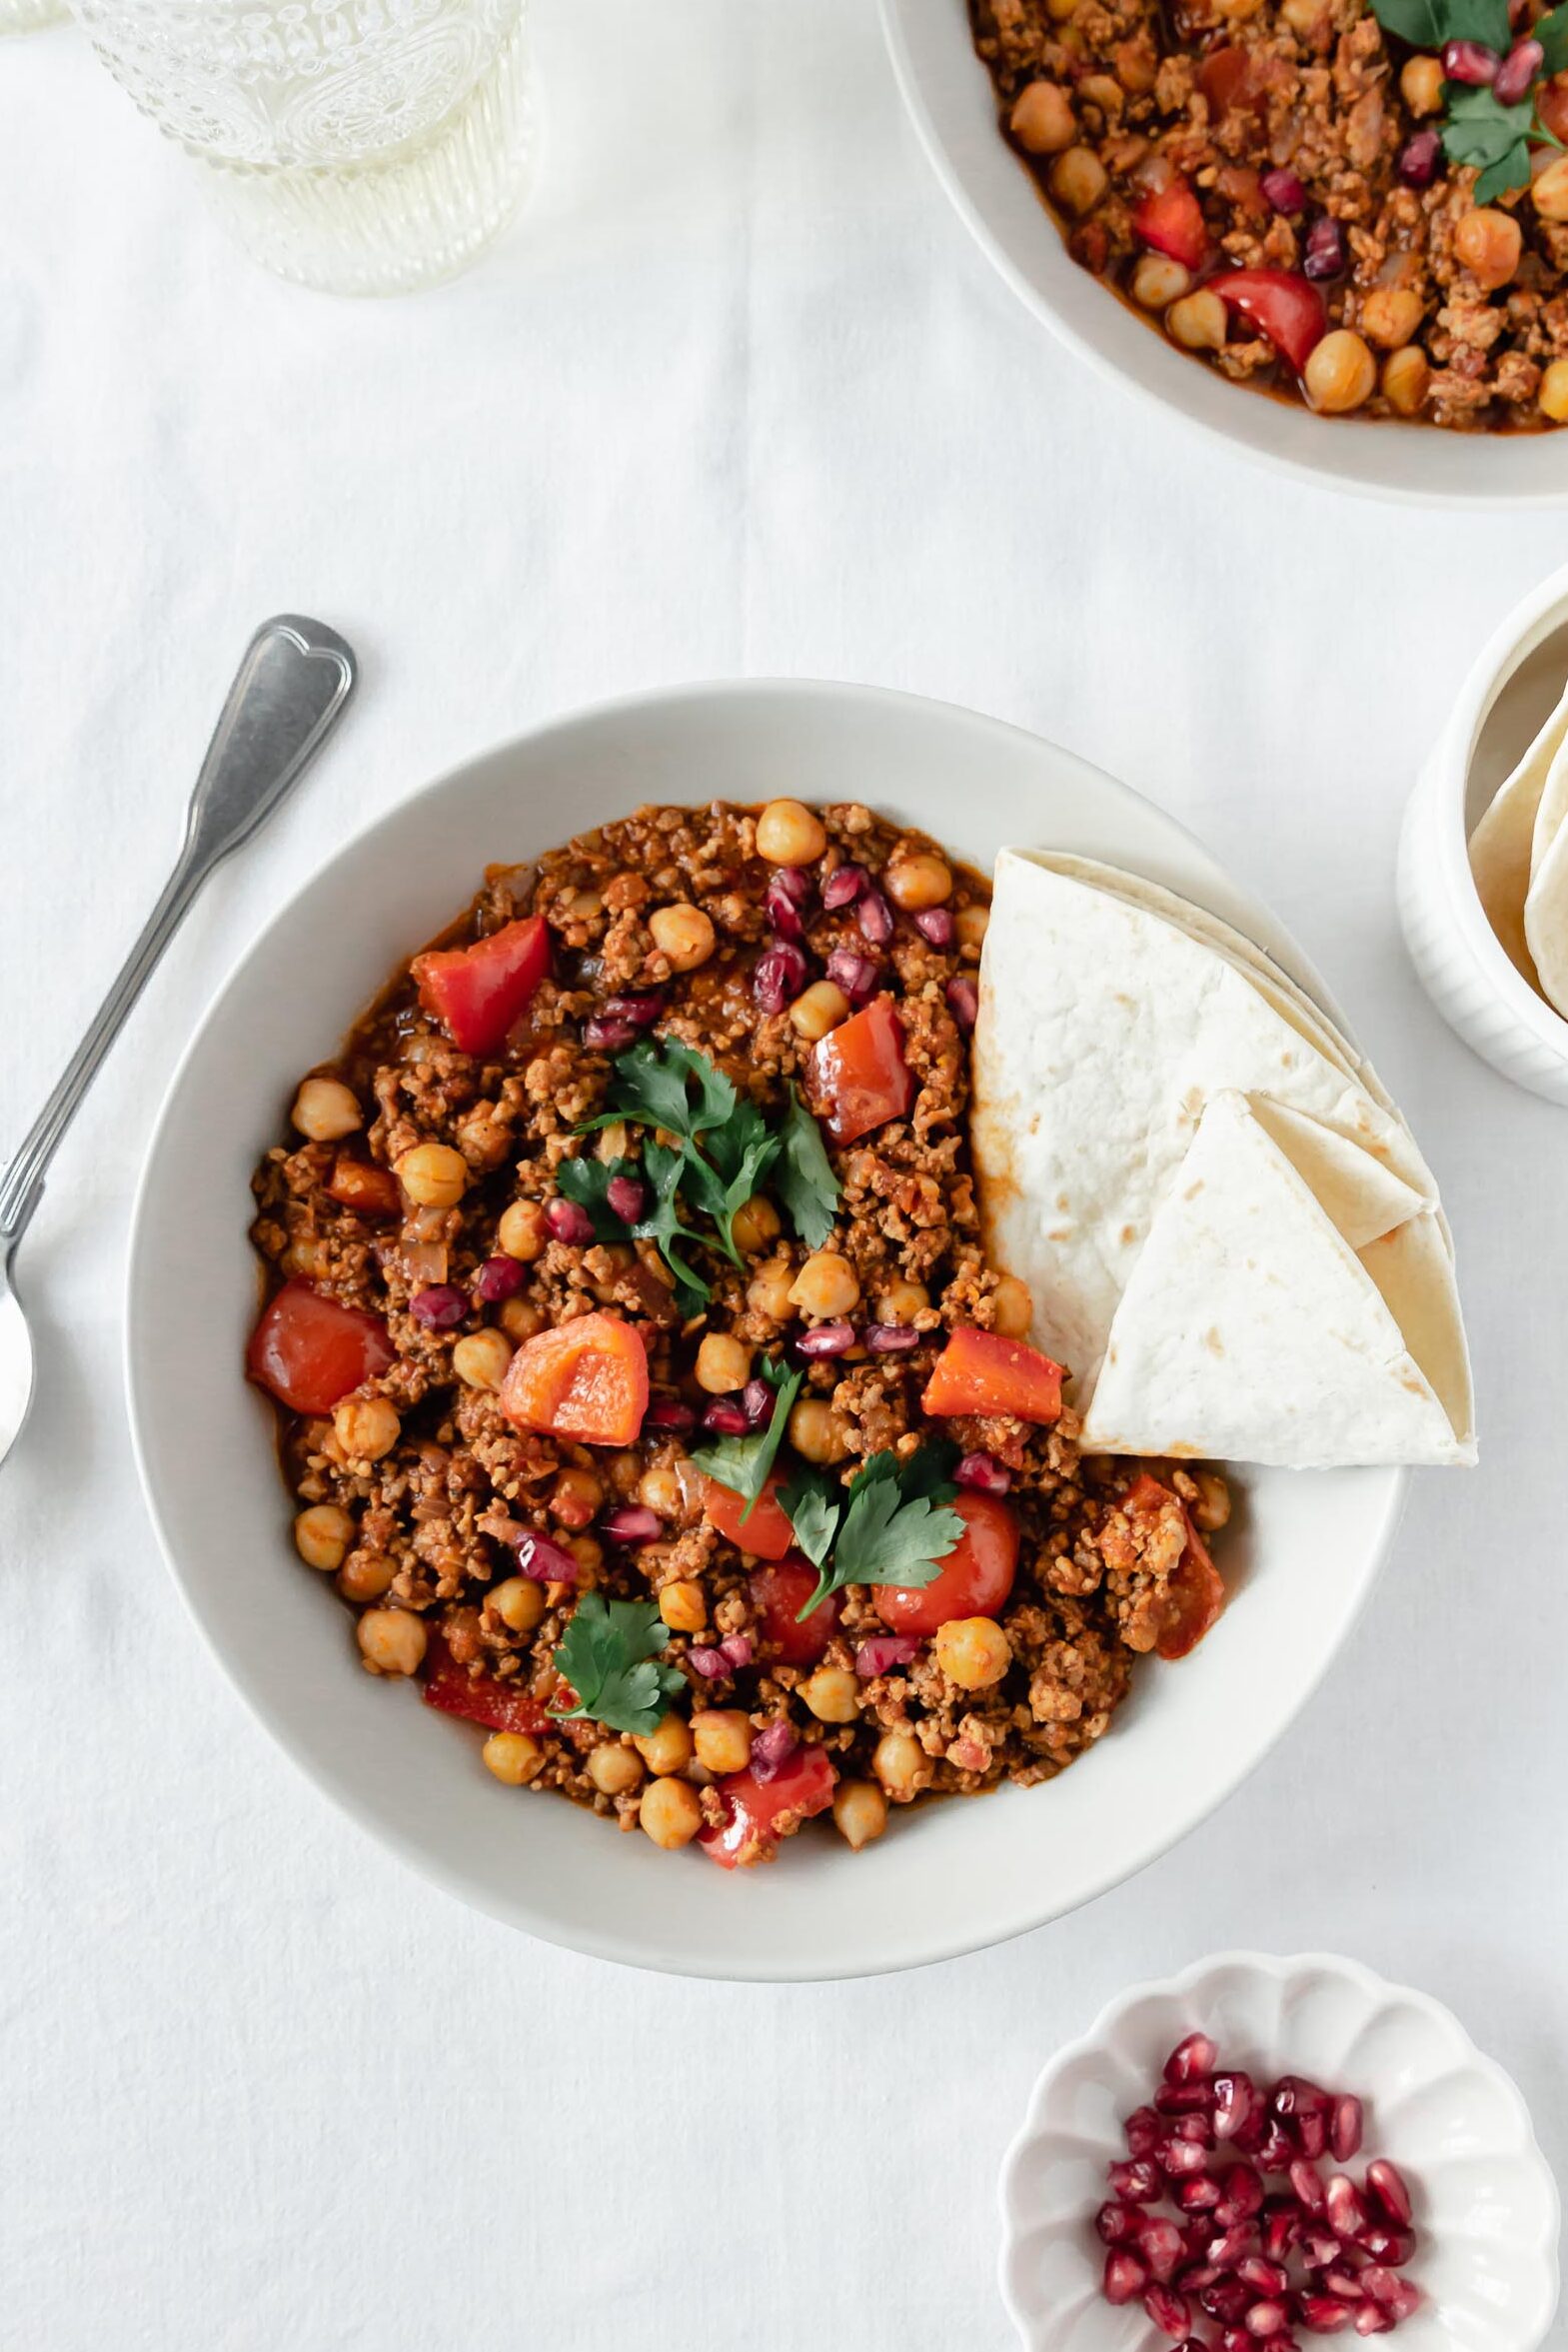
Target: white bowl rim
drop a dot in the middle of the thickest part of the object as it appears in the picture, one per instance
(1278, 1967)
(623, 1946)
(1246, 438)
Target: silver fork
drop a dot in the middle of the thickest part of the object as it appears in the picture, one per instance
(286, 696)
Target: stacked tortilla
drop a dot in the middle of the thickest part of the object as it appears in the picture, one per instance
(1519, 856)
(1228, 1234)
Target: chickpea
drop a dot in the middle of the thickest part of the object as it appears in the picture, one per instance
(321, 1536)
(432, 1175)
(817, 1433)
(523, 1232)
(917, 879)
(722, 1738)
(1489, 242)
(1078, 179)
(683, 934)
(1041, 119)
(585, 906)
(512, 1756)
(671, 1813)
(519, 1601)
(326, 1110)
(575, 1496)
(1303, 16)
(817, 1009)
(832, 1694)
(971, 924)
(1159, 281)
(1421, 84)
(1211, 1512)
(825, 1285)
(521, 1319)
(668, 1748)
(1200, 322)
(723, 1364)
(754, 1224)
(1390, 315)
(366, 1427)
(768, 1292)
(660, 1490)
(391, 1641)
(1012, 1310)
(1548, 193)
(901, 1302)
(790, 834)
(1061, 11)
(306, 1255)
(1406, 376)
(366, 1575)
(1553, 395)
(901, 1765)
(859, 1812)
(613, 1770)
(481, 1360)
(974, 1652)
(589, 1555)
(1340, 373)
(683, 1605)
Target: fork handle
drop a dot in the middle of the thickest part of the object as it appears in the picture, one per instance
(289, 691)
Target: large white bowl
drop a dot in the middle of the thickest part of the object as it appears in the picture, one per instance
(950, 99)
(952, 1875)
(1486, 2205)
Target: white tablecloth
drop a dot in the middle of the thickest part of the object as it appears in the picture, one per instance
(734, 396)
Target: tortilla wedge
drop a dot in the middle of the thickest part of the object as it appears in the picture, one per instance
(1503, 844)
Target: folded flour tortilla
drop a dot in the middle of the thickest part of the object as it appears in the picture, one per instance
(1515, 834)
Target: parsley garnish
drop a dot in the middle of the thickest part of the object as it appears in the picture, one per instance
(606, 1654)
(1478, 129)
(802, 1174)
(891, 1527)
(743, 1464)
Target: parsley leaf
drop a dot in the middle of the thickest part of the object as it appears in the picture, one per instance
(606, 1654)
(1551, 31)
(813, 1504)
(650, 1085)
(730, 1168)
(663, 1170)
(1427, 24)
(1481, 130)
(588, 1181)
(743, 1464)
(802, 1176)
(895, 1526)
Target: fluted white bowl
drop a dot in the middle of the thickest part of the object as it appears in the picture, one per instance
(1486, 2205)
(1459, 961)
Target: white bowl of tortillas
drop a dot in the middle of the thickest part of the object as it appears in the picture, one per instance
(1483, 861)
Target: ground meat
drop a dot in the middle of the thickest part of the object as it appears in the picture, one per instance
(424, 1521)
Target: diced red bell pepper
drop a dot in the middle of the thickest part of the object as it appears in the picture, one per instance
(764, 1530)
(308, 1351)
(586, 1380)
(1286, 308)
(479, 1698)
(982, 1372)
(858, 1078)
(758, 1813)
(1171, 220)
(478, 993)
(974, 1579)
(363, 1186)
(1196, 1591)
(779, 1594)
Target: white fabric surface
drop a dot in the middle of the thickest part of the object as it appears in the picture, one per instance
(734, 396)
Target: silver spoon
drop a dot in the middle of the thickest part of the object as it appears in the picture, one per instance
(286, 696)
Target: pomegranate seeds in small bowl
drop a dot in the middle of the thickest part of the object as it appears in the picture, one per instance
(1263, 2153)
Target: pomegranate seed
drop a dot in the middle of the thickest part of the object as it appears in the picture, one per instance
(1232, 2246)
(1281, 2227)
(628, 1197)
(726, 1417)
(498, 1277)
(1344, 2129)
(668, 1412)
(1198, 2195)
(1191, 2060)
(1325, 2315)
(1275, 2148)
(1323, 251)
(642, 1011)
(1243, 2194)
(936, 923)
(1168, 2310)
(963, 1001)
(1387, 2184)
(1236, 2339)
(1295, 2097)
(988, 1475)
(883, 1652)
(1228, 2300)
(1192, 2127)
(1387, 2288)
(771, 1750)
(827, 1340)
(891, 1338)
(756, 1403)
(1307, 2183)
(1372, 2321)
(1180, 2157)
(568, 1222)
(1267, 2277)
(1406, 2299)
(1135, 2184)
(1393, 2246)
(1159, 2243)
(789, 888)
(1235, 2102)
(603, 1036)
(1313, 2132)
(1348, 2215)
(631, 1523)
(1470, 61)
(1186, 2098)
(1267, 2320)
(1195, 2277)
(1418, 159)
(1117, 2224)
(1284, 191)
(1125, 2276)
(874, 917)
(1344, 2283)
(778, 977)
(546, 1562)
(855, 974)
(439, 1307)
(1144, 2127)
(844, 886)
(1517, 71)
